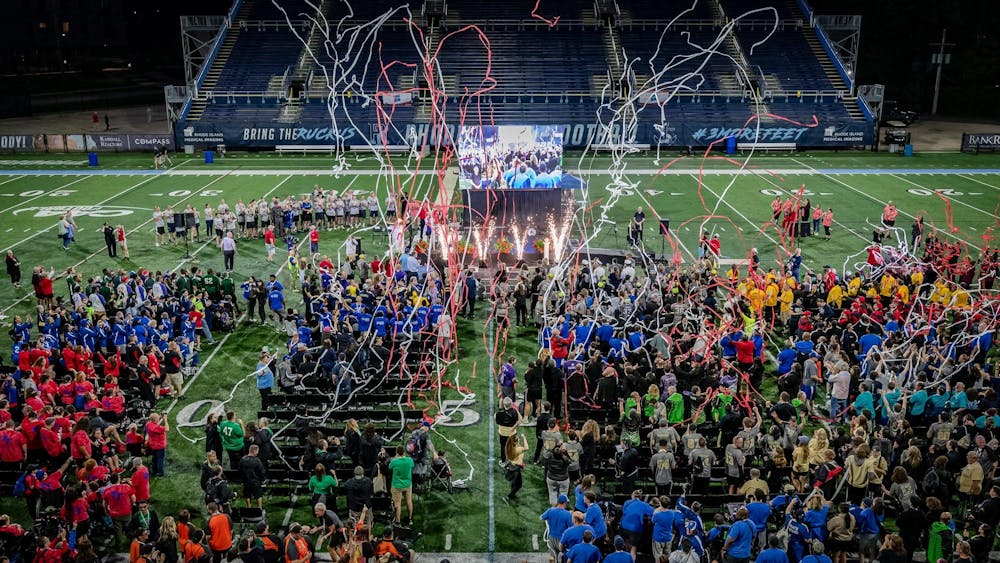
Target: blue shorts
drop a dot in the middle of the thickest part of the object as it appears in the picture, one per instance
(809, 390)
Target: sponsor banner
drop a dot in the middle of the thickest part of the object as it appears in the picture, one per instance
(106, 142)
(149, 141)
(397, 99)
(17, 143)
(575, 135)
(980, 141)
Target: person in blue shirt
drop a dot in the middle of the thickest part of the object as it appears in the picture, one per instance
(663, 530)
(620, 555)
(773, 553)
(918, 403)
(557, 520)
(817, 554)
(868, 517)
(585, 551)
(276, 301)
(799, 535)
(867, 342)
(574, 534)
(740, 538)
(938, 402)
(864, 403)
(815, 516)
(595, 516)
(471, 286)
(634, 514)
(758, 511)
(265, 379)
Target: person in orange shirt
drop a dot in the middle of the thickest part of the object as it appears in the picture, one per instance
(817, 215)
(390, 546)
(141, 539)
(220, 531)
(827, 222)
(296, 545)
(192, 550)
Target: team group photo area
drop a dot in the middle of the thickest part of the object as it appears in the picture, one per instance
(544, 281)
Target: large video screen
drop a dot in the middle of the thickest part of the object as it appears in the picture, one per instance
(515, 157)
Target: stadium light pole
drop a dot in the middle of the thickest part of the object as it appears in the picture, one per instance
(939, 59)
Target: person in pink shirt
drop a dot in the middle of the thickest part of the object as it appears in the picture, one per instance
(827, 222)
(156, 442)
(80, 446)
(889, 214)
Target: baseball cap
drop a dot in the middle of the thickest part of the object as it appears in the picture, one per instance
(563, 498)
(619, 542)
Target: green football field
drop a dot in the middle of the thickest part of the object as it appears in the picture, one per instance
(957, 195)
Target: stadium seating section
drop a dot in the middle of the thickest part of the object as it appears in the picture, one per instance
(537, 73)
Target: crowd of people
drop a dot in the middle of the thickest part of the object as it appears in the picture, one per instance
(773, 414)
(82, 413)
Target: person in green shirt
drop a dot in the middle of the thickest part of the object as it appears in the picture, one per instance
(231, 432)
(323, 485)
(211, 282)
(675, 401)
(401, 468)
(228, 286)
(183, 283)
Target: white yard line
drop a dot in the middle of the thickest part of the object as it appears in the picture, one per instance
(738, 212)
(45, 194)
(99, 251)
(971, 179)
(14, 179)
(949, 198)
(877, 200)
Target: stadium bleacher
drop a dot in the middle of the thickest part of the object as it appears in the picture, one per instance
(542, 74)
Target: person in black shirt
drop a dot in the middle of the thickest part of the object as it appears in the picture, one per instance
(14, 271)
(359, 491)
(635, 229)
(109, 240)
(252, 470)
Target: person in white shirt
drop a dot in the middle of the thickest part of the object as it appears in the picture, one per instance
(228, 246)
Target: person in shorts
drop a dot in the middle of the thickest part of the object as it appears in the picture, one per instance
(159, 224)
(401, 468)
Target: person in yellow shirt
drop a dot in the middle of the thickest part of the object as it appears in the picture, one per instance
(960, 298)
(786, 299)
(756, 298)
(854, 286)
(917, 278)
(871, 293)
(903, 293)
(887, 286)
(835, 297)
(941, 294)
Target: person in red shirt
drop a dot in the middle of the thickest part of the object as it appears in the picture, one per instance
(31, 427)
(118, 499)
(113, 405)
(269, 242)
(140, 480)
(76, 510)
(92, 473)
(744, 353)
(80, 446)
(156, 441)
(34, 401)
(13, 447)
(67, 391)
(49, 485)
(55, 550)
(51, 440)
(313, 240)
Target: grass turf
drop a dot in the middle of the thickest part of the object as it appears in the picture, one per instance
(734, 206)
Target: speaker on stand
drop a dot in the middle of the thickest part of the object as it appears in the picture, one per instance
(181, 230)
(664, 232)
(190, 220)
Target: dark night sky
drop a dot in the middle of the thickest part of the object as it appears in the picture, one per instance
(895, 41)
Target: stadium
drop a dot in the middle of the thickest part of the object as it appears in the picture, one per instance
(385, 281)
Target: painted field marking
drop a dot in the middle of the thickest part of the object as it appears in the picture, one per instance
(447, 542)
(960, 202)
(19, 204)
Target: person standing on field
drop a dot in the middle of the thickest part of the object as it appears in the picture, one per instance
(827, 222)
(231, 431)
(228, 246)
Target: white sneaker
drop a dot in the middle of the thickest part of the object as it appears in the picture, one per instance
(157, 245)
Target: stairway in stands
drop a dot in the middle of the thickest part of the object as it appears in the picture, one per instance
(218, 63)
